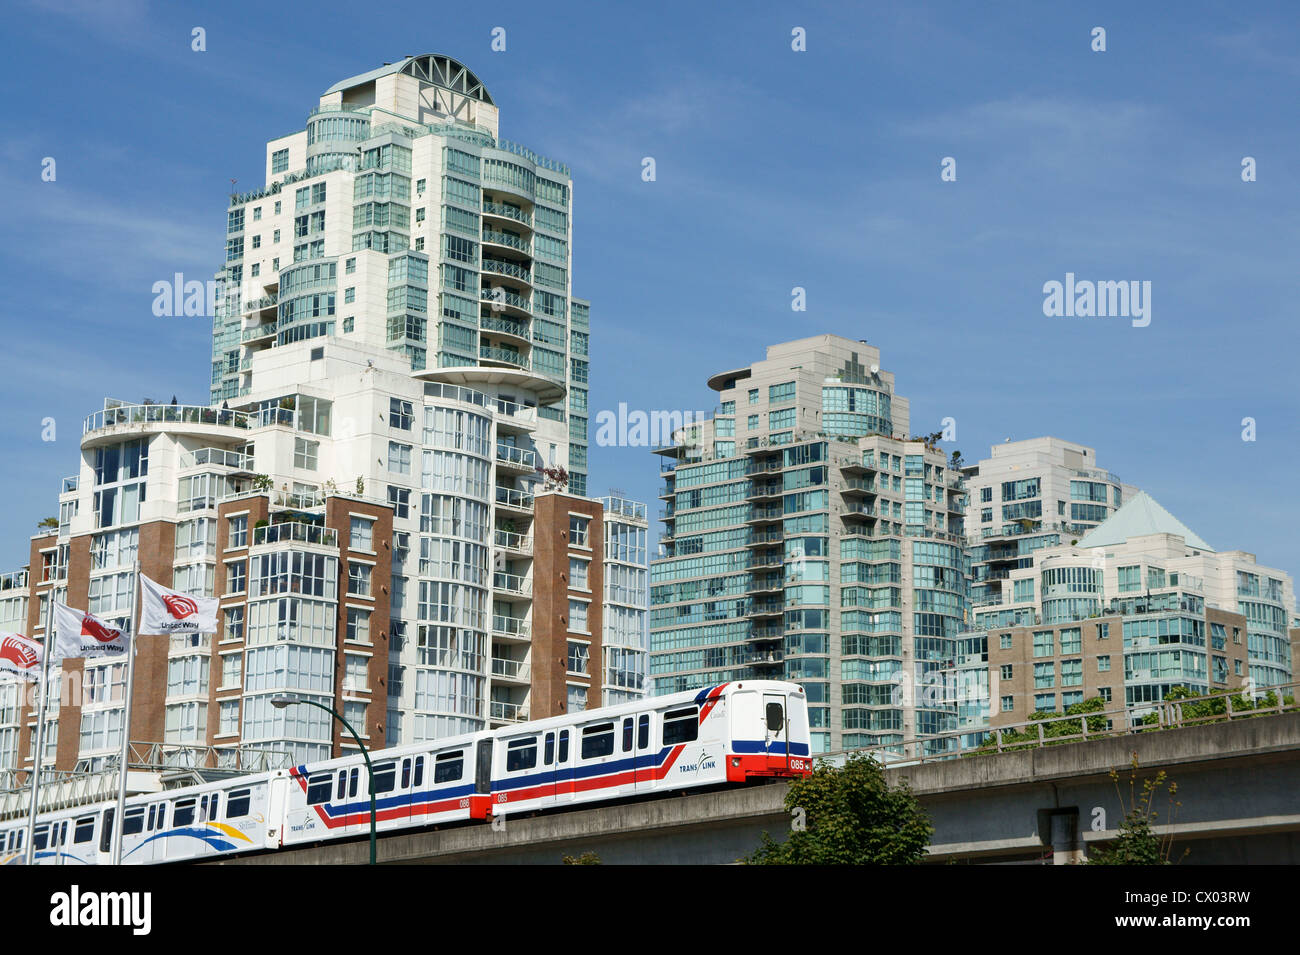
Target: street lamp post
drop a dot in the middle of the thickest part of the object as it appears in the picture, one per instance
(281, 702)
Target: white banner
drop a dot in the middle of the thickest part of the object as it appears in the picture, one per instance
(167, 611)
(81, 634)
(20, 656)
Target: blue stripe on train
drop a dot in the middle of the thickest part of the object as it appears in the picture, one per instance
(776, 747)
(333, 809)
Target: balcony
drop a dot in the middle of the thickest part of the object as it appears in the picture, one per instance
(298, 532)
(514, 499)
(509, 540)
(504, 326)
(502, 356)
(297, 500)
(502, 211)
(518, 243)
(765, 490)
(508, 269)
(517, 671)
(517, 459)
(858, 486)
(766, 608)
(516, 416)
(507, 712)
(506, 627)
(502, 298)
(515, 584)
(16, 580)
(766, 514)
(219, 457)
(258, 333)
(762, 538)
(70, 484)
(767, 560)
(759, 584)
(766, 632)
(181, 415)
(633, 510)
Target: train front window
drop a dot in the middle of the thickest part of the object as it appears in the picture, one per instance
(775, 717)
(681, 726)
(317, 789)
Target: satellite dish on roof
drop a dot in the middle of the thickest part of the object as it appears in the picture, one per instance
(875, 369)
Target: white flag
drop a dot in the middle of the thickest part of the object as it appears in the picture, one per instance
(81, 634)
(20, 656)
(166, 611)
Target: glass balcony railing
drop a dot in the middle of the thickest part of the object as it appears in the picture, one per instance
(16, 580)
(512, 541)
(519, 457)
(260, 331)
(508, 712)
(218, 456)
(166, 414)
(511, 497)
(502, 355)
(617, 505)
(501, 296)
(505, 625)
(504, 267)
(511, 583)
(511, 669)
(508, 212)
(507, 326)
(506, 239)
(525, 414)
(298, 532)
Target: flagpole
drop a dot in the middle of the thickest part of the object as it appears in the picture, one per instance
(46, 649)
(126, 722)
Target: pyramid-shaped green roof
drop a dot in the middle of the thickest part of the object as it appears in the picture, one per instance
(1140, 516)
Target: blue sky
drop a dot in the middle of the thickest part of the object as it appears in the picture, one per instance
(775, 169)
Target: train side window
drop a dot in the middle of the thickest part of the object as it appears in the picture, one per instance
(406, 773)
(521, 754)
(385, 777)
(133, 821)
(448, 767)
(597, 740)
(681, 726)
(318, 789)
(106, 831)
(85, 831)
(183, 813)
(343, 784)
(20, 839)
(643, 731)
(239, 801)
(153, 815)
(42, 836)
(775, 717)
(564, 746)
(352, 782)
(549, 756)
(419, 771)
(627, 734)
(210, 813)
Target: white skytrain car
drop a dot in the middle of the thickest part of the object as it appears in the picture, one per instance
(730, 733)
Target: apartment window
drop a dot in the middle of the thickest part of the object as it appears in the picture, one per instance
(279, 163)
(986, 495)
(1071, 673)
(420, 186)
(236, 577)
(355, 713)
(578, 657)
(781, 392)
(751, 422)
(578, 616)
(275, 237)
(305, 453)
(578, 573)
(257, 213)
(1104, 693)
(234, 629)
(232, 667)
(578, 530)
(1130, 579)
(358, 625)
(1043, 643)
(1044, 675)
(359, 579)
(1236, 667)
(1045, 702)
(986, 515)
(277, 204)
(1072, 640)
(577, 701)
(1103, 663)
(1008, 704)
(400, 499)
(1004, 641)
(356, 674)
(228, 718)
(399, 458)
(349, 324)
(350, 265)
(1006, 671)
(257, 269)
(753, 396)
(1103, 631)
(362, 534)
(349, 295)
(257, 241)
(400, 414)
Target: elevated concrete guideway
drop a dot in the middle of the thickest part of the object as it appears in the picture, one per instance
(1238, 785)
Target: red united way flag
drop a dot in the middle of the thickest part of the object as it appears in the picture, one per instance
(81, 634)
(20, 656)
(166, 611)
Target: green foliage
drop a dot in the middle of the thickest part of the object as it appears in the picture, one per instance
(587, 858)
(849, 816)
(49, 522)
(1028, 737)
(1206, 710)
(1137, 842)
(361, 485)
(263, 482)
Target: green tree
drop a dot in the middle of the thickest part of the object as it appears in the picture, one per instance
(849, 816)
(587, 858)
(1137, 842)
(1089, 710)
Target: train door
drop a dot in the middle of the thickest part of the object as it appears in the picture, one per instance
(643, 769)
(776, 731)
(627, 754)
(483, 771)
(277, 805)
(564, 763)
(595, 768)
(548, 764)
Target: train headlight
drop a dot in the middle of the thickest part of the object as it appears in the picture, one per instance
(735, 761)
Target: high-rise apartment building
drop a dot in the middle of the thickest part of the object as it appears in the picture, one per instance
(388, 490)
(809, 538)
